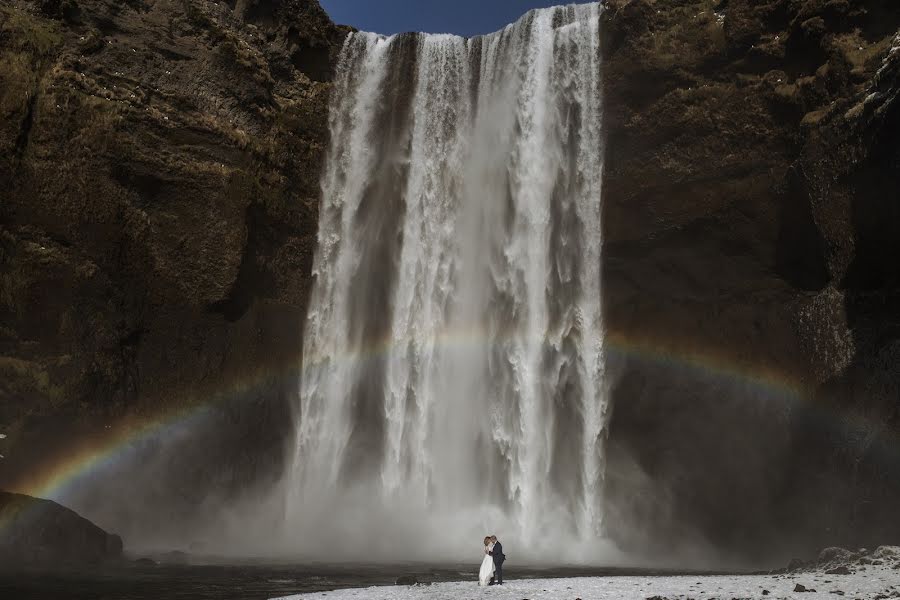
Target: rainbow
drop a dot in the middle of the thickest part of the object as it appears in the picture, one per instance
(86, 457)
(55, 477)
(89, 458)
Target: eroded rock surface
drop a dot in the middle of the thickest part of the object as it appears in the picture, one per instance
(751, 290)
(159, 166)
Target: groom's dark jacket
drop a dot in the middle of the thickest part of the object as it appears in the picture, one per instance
(497, 553)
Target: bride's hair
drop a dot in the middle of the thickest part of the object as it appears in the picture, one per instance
(487, 540)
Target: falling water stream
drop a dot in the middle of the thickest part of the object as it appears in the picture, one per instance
(453, 380)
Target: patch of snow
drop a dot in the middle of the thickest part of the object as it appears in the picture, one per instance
(869, 584)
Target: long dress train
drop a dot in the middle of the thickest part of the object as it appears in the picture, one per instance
(487, 567)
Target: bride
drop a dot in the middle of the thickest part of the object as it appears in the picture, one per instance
(487, 564)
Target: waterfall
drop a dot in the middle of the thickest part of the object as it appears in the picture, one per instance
(453, 380)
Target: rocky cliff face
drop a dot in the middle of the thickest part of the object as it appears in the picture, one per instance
(750, 271)
(159, 165)
(159, 171)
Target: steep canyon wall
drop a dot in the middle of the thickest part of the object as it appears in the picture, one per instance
(160, 179)
(750, 224)
(160, 173)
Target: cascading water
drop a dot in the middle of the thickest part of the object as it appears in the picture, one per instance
(453, 380)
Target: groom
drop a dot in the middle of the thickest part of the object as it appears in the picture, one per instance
(499, 557)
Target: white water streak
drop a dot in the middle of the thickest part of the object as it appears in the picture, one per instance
(453, 374)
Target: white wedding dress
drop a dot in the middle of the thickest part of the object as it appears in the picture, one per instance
(487, 567)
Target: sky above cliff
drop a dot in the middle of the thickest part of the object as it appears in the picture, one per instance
(463, 17)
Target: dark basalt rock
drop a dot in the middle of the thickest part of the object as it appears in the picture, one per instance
(159, 163)
(145, 562)
(796, 564)
(35, 532)
(835, 554)
(751, 299)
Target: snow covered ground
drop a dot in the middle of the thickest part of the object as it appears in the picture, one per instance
(868, 583)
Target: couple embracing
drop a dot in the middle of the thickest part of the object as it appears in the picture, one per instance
(492, 565)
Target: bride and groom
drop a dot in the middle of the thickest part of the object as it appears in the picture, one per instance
(491, 571)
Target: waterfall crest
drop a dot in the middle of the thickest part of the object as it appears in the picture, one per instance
(453, 381)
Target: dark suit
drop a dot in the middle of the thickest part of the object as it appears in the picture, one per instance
(499, 557)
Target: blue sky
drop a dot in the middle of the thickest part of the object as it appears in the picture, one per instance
(463, 17)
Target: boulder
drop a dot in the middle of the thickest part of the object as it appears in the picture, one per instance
(43, 533)
(886, 552)
(145, 562)
(835, 554)
(838, 571)
(796, 564)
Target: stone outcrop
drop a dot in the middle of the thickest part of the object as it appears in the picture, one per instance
(841, 561)
(751, 290)
(37, 532)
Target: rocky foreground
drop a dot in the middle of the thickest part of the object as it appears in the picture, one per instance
(837, 573)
